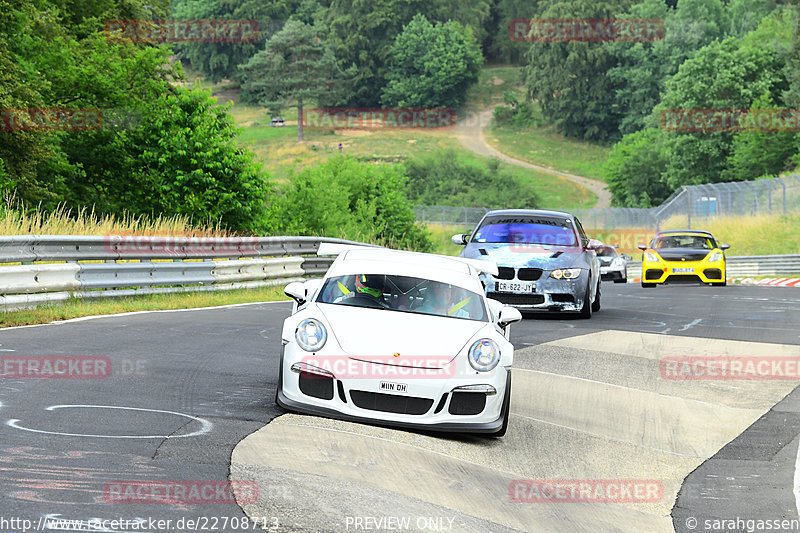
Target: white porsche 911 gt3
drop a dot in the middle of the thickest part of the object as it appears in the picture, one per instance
(399, 338)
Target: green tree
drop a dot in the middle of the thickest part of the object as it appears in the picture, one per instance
(295, 66)
(635, 168)
(178, 156)
(218, 61)
(431, 65)
(362, 34)
(759, 153)
(570, 79)
(349, 199)
(730, 74)
(499, 45)
(644, 67)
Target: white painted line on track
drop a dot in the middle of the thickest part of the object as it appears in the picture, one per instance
(691, 324)
(206, 426)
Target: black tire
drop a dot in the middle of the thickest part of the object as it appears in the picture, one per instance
(596, 303)
(623, 280)
(720, 284)
(648, 284)
(586, 310)
(506, 410)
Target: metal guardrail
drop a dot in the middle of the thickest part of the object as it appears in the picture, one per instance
(58, 267)
(746, 266)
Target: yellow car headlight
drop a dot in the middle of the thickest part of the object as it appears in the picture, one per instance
(652, 257)
(716, 256)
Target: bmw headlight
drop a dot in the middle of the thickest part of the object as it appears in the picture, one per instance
(484, 355)
(651, 257)
(565, 273)
(311, 335)
(716, 256)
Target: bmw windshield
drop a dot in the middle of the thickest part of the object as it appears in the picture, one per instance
(527, 230)
(405, 294)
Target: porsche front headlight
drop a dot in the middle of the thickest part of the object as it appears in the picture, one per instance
(311, 335)
(565, 273)
(651, 257)
(484, 354)
(716, 256)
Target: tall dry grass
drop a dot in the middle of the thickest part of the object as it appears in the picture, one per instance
(16, 220)
(749, 235)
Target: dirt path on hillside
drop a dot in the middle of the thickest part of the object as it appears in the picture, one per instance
(470, 132)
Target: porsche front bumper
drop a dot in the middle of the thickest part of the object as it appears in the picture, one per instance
(683, 272)
(470, 402)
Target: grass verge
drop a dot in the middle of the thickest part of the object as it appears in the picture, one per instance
(541, 146)
(77, 307)
(749, 235)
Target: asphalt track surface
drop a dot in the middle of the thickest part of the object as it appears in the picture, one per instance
(189, 389)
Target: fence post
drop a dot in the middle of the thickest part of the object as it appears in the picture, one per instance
(689, 208)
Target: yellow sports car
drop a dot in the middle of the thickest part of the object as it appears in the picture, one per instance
(683, 256)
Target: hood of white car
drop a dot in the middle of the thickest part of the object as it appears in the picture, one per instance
(376, 334)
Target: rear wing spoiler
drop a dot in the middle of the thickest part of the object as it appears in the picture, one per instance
(335, 248)
(330, 248)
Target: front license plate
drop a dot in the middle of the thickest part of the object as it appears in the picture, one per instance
(390, 386)
(683, 270)
(515, 286)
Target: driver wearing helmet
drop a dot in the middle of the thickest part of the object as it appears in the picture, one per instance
(370, 285)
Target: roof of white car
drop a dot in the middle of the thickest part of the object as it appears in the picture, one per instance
(397, 262)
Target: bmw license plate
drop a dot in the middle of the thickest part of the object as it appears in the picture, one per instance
(515, 286)
(390, 386)
(683, 270)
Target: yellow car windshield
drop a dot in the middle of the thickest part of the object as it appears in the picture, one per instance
(697, 242)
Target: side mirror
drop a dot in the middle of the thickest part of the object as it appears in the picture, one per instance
(724, 246)
(508, 315)
(296, 290)
(459, 239)
(594, 243)
(642, 247)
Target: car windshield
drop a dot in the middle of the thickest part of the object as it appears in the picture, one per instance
(405, 294)
(607, 251)
(698, 242)
(527, 230)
